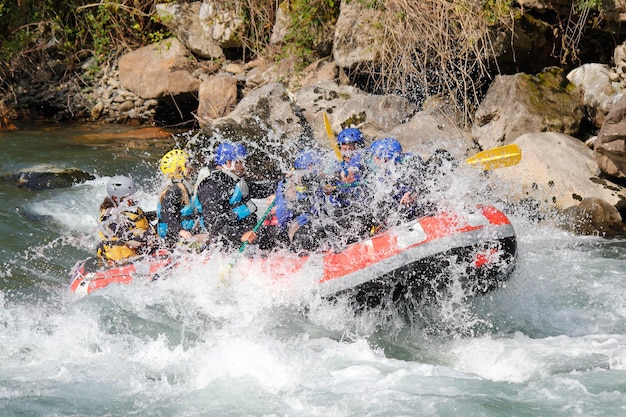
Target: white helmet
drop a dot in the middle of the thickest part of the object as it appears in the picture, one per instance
(120, 186)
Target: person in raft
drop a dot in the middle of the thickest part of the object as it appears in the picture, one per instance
(123, 226)
(177, 212)
(225, 199)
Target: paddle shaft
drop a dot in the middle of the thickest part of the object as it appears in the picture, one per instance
(333, 143)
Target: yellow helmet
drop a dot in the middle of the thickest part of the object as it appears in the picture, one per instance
(173, 163)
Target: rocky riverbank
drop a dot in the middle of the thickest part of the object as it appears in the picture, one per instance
(566, 120)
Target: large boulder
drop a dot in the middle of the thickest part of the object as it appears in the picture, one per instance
(593, 216)
(217, 97)
(267, 121)
(358, 38)
(523, 103)
(346, 106)
(558, 171)
(431, 129)
(266, 115)
(45, 177)
(159, 70)
(206, 28)
(599, 92)
(272, 108)
(610, 147)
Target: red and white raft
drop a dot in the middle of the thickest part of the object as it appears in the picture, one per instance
(414, 260)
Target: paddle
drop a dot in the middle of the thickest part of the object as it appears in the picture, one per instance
(224, 271)
(500, 157)
(333, 144)
(331, 138)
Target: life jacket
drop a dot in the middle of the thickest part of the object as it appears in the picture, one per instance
(239, 196)
(123, 219)
(282, 213)
(188, 211)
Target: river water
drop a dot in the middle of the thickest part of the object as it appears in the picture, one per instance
(551, 343)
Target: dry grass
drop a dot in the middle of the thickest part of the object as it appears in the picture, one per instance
(259, 16)
(437, 48)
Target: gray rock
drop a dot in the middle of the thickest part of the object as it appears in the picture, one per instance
(610, 148)
(204, 28)
(522, 103)
(558, 171)
(593, 216)
(44, 177)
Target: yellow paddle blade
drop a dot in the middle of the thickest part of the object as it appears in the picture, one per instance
(331, 138)
(500, 157)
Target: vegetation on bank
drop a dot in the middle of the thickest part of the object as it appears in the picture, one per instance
(427, 47)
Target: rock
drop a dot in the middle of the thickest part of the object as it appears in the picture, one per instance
(97, 109)
(594, 80)
(165, 70)
(260, 75)
(5, 124)
(318, 71)
(593, 216)
(205, 28)
(357, 36)
(523, 103)
(427, 131)
(610, 149)
(558, 171)
(6, 114)
(126, 106)
(281, 23)
(346, 106)
(267, 113)
(217, 97)
(268, 73)
(233, 68)
(44, 177)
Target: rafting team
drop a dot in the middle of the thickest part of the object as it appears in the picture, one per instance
(315, 206)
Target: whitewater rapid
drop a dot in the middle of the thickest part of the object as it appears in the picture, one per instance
(551, 343)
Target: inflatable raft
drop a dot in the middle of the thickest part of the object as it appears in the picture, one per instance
(417, 259)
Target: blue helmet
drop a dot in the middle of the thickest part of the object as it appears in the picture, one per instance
(387, 148)
(350, 135)
(242, 152)
(228, 151)
(306, 158)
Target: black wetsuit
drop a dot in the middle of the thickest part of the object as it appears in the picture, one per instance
(175, 212)
(220, 206)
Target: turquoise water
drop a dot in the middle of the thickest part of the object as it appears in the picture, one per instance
(552, 343)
